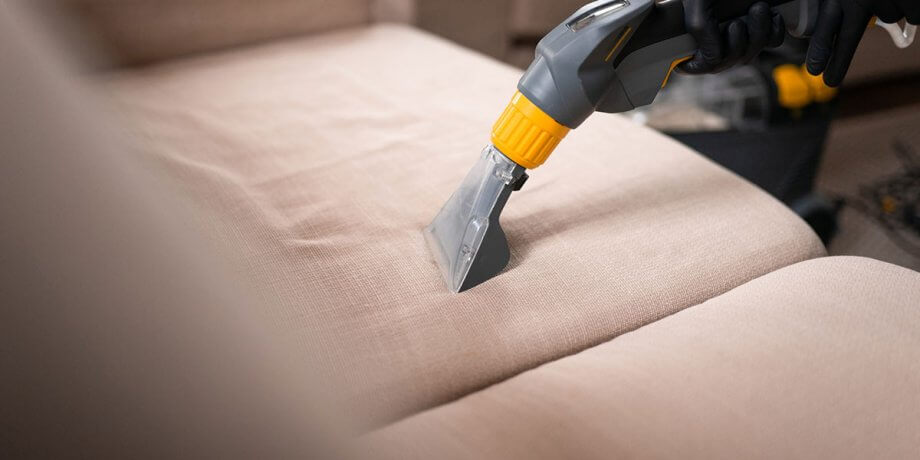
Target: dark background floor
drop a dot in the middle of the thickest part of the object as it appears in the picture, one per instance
(860, 152)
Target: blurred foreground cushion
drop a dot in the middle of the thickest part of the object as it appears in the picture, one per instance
(327, 156)
(125, 334)
(817, 360)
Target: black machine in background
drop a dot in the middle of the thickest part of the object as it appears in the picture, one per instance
(776, 147)
(780, 149)
(783, 160)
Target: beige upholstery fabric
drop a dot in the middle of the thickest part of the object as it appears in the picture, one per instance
(818, 360)
(141, 31)
(327, 156)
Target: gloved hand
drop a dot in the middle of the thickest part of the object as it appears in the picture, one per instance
(841, 25)
(741, 41)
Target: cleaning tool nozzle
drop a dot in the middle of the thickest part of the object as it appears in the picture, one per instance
(466, 238)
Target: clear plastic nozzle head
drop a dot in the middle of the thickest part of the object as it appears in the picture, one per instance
(465, 237)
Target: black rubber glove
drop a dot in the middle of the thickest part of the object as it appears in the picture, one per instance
(740, 42)
(841, 25)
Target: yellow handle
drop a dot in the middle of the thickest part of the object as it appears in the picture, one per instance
(526, 134)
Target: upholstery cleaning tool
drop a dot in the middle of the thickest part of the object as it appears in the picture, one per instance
(610, 56)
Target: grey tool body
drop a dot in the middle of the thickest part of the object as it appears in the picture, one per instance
(614, 55)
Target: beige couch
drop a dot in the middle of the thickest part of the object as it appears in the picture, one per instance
(656, 305)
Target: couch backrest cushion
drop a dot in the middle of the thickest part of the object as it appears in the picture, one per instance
(143, 31)
(537, 17)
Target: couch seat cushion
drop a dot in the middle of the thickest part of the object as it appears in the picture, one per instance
(326, 157)
(818, 360)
